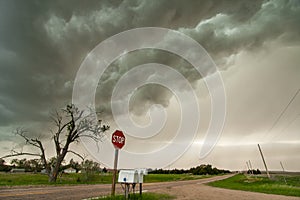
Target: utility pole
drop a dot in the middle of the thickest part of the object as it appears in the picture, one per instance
(251, 167)
(248, 167)
(262, 156)
(283, 171)
(282, 166)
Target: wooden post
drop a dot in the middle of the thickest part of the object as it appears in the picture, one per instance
(282, 166)
(141, 189)
(127, 190)
(283, 172)
(251, 169)
(262, 156)
(248, 168)
(113, 187)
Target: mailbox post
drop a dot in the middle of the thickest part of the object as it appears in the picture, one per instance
(128, 177)
(131, 177)
(141, 173)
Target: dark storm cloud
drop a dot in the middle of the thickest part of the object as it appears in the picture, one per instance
(96, 25)
(224, 34)
(42, 43)
(103, 20)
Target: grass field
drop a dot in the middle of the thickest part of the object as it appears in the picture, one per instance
(151, 178)
(11, 179)
(145, 196)
(276, 185)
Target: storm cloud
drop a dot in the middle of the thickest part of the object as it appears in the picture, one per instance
(43, 43)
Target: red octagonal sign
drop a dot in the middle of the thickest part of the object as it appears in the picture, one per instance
(118, 139)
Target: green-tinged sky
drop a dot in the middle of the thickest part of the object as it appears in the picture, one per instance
(254, 44)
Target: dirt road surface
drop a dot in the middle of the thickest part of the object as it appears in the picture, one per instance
(186, 190)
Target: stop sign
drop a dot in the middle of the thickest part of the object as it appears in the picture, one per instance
(118, 139)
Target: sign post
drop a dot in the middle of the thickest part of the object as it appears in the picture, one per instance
(118, 140)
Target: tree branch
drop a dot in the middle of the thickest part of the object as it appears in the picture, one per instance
(21, 154)
(77, 154)
(21, 132)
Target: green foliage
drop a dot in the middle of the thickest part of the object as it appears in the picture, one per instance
(3, 167)
(31, 165)
(207, 169)
(199, 170)
(173, 171)
(145, 196)
(90, 170)
(75, 165)
(36, 165)
(262, 184)
(253, 171)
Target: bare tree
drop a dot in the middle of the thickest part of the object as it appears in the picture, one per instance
(71, 124)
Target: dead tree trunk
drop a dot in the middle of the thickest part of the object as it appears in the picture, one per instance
(71, 125)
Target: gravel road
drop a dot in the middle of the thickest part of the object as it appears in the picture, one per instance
(187, 190)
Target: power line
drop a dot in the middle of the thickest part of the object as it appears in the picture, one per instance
(292, 121)
(286, 107)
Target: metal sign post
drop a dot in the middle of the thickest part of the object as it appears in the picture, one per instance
(118, 140)
(113, 187)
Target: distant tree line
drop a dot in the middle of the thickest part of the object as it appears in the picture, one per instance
(253, 171)
(36, 165)
(199, 170)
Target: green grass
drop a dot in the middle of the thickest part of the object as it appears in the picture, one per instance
(14, 179)
(8, 179)
(261, 184)
(151, 178)
(145, 196)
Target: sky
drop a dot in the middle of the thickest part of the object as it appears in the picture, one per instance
(252, 46)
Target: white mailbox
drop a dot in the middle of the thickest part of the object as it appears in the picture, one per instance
(128, 176)
(141, 173)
